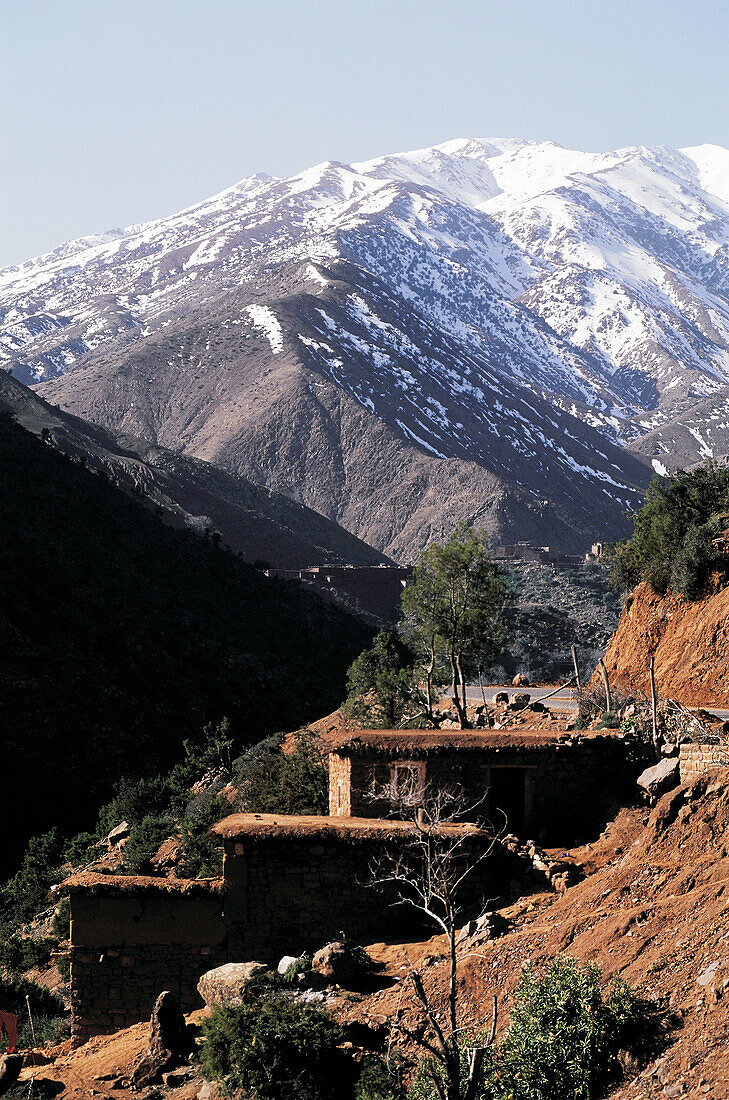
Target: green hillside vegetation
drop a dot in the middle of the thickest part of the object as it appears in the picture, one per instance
(677, 540)
(121, 638)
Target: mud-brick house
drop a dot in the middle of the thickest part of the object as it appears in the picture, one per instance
(289, 884)
(554, 788)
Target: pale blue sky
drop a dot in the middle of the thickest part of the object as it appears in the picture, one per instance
(117, 111)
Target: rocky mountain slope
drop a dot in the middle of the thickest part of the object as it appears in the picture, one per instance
(690, 641)
(371, 338)
(501, 317)
(258, 524)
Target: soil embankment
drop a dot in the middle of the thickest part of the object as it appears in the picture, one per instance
(690, 641)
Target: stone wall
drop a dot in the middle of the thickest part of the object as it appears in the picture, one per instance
(286, 895)
(126, 949)
(695, 759)
(556, 794)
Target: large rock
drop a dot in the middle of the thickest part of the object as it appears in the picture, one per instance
(228, 984)
(487, 927)
(659, 778)
(342, 963)
(10, 1067)
(170, 1042)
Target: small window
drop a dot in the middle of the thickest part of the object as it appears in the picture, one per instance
(407, 783)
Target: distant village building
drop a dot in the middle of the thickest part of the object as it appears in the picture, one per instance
(374, 590)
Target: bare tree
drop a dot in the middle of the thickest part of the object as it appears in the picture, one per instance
(427, 870)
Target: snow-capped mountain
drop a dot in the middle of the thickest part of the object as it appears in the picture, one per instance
(494, 320)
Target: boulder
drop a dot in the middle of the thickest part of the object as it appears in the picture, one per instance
(228, 984)
(118, 834)
(520, 680)
(500, 698)
(519, 701)
(10, 1067)
(487, 927)
(286, 962)
(659, 778)
(342, 963)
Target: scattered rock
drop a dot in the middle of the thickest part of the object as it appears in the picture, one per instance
(659, 778)
(343, 963)
(176, 1077)
(209, 1091)
(537, 706)
(227, 985)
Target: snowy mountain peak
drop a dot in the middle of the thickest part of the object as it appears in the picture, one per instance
(488, 299)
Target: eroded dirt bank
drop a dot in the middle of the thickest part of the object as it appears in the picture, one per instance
(690, 641)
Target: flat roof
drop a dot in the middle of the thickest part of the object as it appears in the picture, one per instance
(354, 828)
(424, 741)
(94, 883)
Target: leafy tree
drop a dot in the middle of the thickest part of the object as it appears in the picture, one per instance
(381, 683)
(274, 1048)
(453, 613)
(677, 536)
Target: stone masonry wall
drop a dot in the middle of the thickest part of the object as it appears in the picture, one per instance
(126, 950)
(695, 759)
(569, 789)
(286, 895)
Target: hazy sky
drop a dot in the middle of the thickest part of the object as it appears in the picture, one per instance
(117, 111)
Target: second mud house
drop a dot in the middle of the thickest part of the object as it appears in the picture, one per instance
(553, 788)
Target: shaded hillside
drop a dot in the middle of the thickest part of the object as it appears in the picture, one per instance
(690, 640)
(255, 522)
(121, 637)
(556, 607)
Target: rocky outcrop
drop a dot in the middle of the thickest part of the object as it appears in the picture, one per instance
(690, 642)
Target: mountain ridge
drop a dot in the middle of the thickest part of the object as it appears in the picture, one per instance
(532, 310)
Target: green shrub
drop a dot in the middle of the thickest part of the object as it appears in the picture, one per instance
(270, 780)
(275, 1048)
(47, 1010)
(26, 894)
(81, 849)
(564, 1035)
(21, 953)
(144, 840)
(380, 1080)
(675, 541)
(61, 923)
(63, 965)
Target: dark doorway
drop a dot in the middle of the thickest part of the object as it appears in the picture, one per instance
(507, 799)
